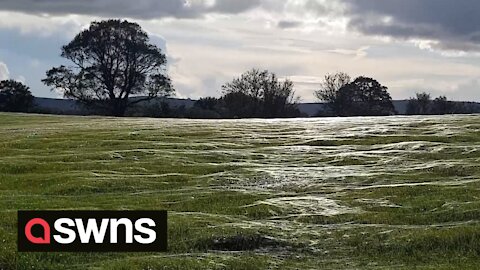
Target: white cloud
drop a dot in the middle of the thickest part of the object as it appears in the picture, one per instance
(40, 25)
(212, 52)
(300, 40)
(4, 74)
(21, 79)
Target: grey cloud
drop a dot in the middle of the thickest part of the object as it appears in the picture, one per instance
(317, 7)
(455, 24)
(289, 24)
(140, 9)
(371, 26)
(234, 6)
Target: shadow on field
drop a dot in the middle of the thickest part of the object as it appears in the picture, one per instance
(243, 242)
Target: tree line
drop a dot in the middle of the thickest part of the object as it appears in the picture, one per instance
(424, 104)
(115, 70)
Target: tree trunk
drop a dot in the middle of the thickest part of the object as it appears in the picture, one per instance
(119, 108)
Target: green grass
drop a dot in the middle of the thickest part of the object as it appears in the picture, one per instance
(354, 193)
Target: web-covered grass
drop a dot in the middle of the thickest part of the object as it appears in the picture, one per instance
(337, 193)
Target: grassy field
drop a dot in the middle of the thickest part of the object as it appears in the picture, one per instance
(353, 193)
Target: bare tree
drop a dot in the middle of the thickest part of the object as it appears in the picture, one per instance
(329, 91)
(330, 86)
(260, 94)
(420, 105)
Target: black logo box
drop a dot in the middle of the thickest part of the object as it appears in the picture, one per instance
(159, 217)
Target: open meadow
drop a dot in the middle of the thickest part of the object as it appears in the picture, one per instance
(325, 193)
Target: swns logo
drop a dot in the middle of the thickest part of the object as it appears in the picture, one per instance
(92, 231)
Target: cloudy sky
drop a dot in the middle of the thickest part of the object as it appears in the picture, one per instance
(408, 45)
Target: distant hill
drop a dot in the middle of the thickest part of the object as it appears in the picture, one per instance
(68, 106)
(312, 109)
